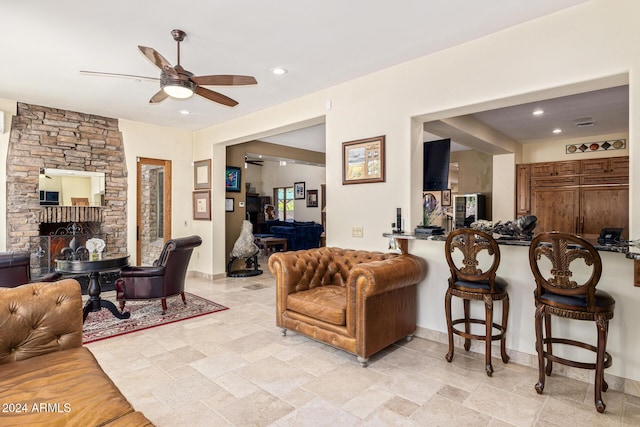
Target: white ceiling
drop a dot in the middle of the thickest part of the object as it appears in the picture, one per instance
(45, 44)
(606, 109)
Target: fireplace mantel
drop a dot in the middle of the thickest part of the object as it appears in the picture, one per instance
(54, 214)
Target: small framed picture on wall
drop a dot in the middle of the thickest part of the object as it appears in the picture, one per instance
(446, 197)
(298, 190)
(312, 198)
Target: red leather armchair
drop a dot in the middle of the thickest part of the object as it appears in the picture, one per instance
(164, 279)
(15, 270)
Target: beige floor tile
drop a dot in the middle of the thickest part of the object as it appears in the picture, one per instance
(441, 412)
(401, 406)
(319, 413)
(276, 377)
(234, 368)
(343, 383)
(257, 409)
(504, 405)
(367, 402)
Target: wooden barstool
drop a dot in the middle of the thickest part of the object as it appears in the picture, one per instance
(559, 294)
(471, 281)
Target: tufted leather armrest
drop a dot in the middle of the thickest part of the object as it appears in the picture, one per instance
(39, 318)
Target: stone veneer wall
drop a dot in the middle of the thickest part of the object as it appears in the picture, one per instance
(43, 137)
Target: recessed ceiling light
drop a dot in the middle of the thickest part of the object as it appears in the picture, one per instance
(557, 131)
(185, 112)
(538, 112)
(278, 71)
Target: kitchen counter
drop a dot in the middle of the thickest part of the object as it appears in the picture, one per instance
(509, 241)
(617, 279)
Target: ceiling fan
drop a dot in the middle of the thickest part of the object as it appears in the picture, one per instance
(176, 82)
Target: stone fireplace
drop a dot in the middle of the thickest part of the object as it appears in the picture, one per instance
(43, 137)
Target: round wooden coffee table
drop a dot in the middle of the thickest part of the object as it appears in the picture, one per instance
(94, 268)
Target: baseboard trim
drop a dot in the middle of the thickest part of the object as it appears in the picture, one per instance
(624, 385)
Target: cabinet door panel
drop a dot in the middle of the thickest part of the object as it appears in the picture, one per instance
(523, 190)
(604, 207)
(554, 181)
(557, 209)
(542, 169)
(596, 166)
(569, 167)
(619, 164)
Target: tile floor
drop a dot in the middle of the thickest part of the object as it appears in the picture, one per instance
(234, 368)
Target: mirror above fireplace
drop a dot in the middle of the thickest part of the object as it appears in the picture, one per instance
(63, 187)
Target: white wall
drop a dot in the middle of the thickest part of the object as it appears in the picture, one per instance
(553, 151)
(157, 142)
(560, 54)
(9, 107)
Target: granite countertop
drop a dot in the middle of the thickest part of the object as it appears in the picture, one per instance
(509, 241)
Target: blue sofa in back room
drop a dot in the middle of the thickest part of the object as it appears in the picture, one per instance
(299, 235)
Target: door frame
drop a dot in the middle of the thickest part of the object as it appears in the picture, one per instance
(140, 162)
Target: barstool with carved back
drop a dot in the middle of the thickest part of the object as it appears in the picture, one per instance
(472, 279)
(564, 294)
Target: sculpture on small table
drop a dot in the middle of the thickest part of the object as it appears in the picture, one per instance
(269, 212)
(245, 248)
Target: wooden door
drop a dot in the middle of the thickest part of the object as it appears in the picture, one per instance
(557, 209)
(603, 207)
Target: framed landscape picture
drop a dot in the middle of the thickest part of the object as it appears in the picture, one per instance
(363, 161)
(232, 179)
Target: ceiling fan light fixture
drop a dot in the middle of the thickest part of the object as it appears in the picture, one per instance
(179, 90)
(177, 87)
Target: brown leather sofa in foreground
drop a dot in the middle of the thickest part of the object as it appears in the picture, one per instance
(356, 300)
(46, 376)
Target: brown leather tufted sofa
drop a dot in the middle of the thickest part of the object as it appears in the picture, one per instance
(356, 300)
(46, 376)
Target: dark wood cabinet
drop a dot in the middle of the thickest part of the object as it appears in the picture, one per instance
(557, 209)
(609, 165)
(567, 167)
(604, 207)
(255, 210)
(577, 196)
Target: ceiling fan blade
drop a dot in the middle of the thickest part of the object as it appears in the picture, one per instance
(160, 96)
(159, 60)
(224, 80)
(119, 75)
(216, 97)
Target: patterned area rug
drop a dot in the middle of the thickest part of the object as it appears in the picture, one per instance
(144, 315)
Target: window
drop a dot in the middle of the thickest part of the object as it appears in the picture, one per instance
(283, 201)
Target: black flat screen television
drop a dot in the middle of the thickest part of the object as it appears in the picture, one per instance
(435, 165)
(49, 198)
